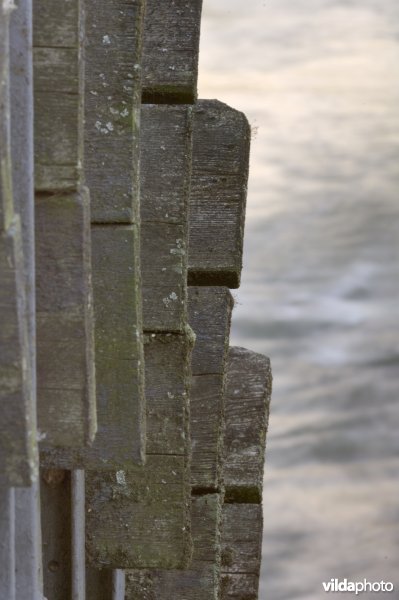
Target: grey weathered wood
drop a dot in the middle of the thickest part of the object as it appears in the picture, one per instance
(168, 378)
(118, 356)
(112, 108)
(118, 584)
(242, 526)
(28, 543)
(209, 316)
(221, 139)
(17, 431)
(247, 399)
(164, 269)
(239, 587)
(170, 50)
(58, 94)
(165, 163)
(241, 546)
(201, 580)
(65, 372)
(7, 542)
(6, 199)
(56, 509)
(139, 518)
(78, 535)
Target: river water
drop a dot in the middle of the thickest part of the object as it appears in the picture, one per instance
(319, 82)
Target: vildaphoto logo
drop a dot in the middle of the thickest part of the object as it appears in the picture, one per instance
(344, 585)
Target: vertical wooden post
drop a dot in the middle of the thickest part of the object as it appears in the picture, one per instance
(78, 535)
(7, 542)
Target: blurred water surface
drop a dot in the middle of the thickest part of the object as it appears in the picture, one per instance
(319, 82)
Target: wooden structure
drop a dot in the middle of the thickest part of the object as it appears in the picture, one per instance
(132, 438)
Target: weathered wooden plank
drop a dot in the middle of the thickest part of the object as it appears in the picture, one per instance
(239, 587)
(65, 372)
(28, 543)
(7, 539)
(17, 431)
(165, 163)
(56, 507)
(170, 50)
(247, 399)
(221, 138)
(164, 281)
(206, 424)
(201, 580)
(210, 316)
(58, 95)
(118, 356)
(168, 378)
(242, 526)
(139, 518)
(112, 108)
(6, 199)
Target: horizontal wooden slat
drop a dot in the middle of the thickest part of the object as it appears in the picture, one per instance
(201, 580)
(65, 369)
(18, 451)
(165, 159)
(139, 518)
(221, 138)
(170, 52)
(112, 108)
(247, 399)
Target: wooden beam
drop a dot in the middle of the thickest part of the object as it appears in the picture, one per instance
(239, 586)
(200, 581)
(118, 355)
(221, 139)
(7, 541)
(139, 518)
(65, 368)
(17, 430)
(209, 316)
(247, 400)
(170, 51)
(165, 159)
(241, 547)
(112, 108)
(58, 95)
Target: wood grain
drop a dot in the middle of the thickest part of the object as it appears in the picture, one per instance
(239, 587)
(209, 315)
(247, 400)
(118, 356)
(65, 345)
(58, 95)
(139, 518)
(170, 50)
(201, 580)
(18, 451)
(242, 526)
(165, 159)
(168, 379)
(112, 108)
(221, 138)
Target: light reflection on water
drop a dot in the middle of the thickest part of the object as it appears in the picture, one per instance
(319, 81)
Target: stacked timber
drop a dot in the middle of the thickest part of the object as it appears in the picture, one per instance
(121, 234)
